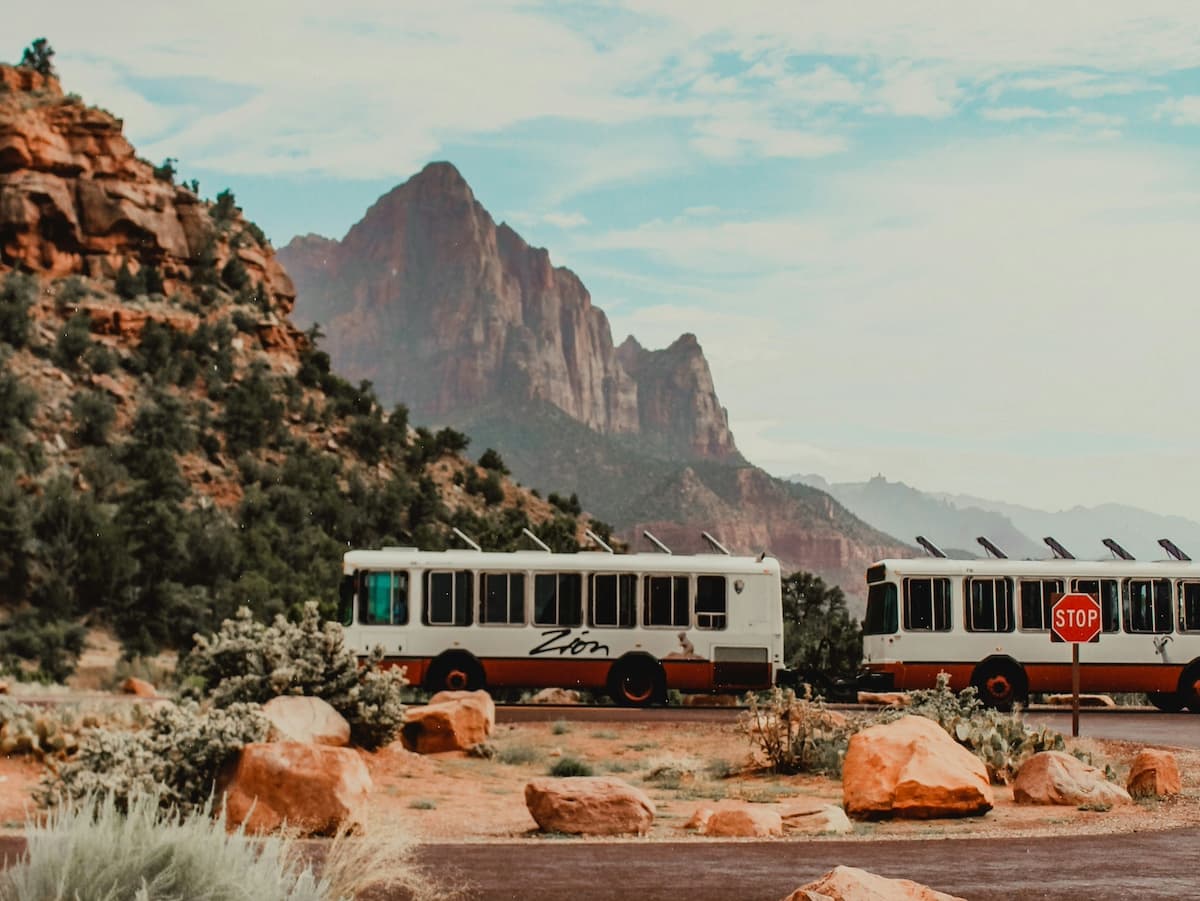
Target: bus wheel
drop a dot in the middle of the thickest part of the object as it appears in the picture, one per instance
(1000, 683)
(457, 673)
(1189, 688)
(1166, 701)
(637, 682)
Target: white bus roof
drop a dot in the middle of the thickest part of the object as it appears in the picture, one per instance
(1111, 569)
(589, 561)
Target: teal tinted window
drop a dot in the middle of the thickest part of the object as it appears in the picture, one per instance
(384, 599)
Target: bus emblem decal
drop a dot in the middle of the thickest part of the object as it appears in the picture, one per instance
(556, 642)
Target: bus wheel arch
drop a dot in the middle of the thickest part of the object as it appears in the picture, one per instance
(637, 680)
(1189, 687)
(455, 671)
(1001, 682)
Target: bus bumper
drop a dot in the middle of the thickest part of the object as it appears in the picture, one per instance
(875, 680)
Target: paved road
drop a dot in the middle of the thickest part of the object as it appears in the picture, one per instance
(1161, 865)
(1179, 729)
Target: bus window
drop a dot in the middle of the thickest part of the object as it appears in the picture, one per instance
(1148, 605)
(1189, 606)
(665, 601)
(883, 615)
(927, 605)
(448, 598)
(989, 605)
(503, 599)
(1105, 590)
(346, 594)
(384, 599)
(1037, 598)
(614, 600)
(710, 602)
(558, 599)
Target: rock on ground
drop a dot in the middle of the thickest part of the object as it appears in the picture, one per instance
(556, 696)
(853, 884)
(912, 768)
(887, 698)
(589, 805)
(306, 719)
(737, 819)
(139, 688)
(313, 789)
(451, 721)
(1154, 773)
(1055, 777)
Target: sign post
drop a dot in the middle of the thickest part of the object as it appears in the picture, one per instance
(1075, 618)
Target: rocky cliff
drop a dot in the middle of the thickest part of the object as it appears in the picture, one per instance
(445, 310)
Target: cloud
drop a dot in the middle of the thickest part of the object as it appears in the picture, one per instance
(912, 92)
(566, 220)
(1088, 118)
(1180, 110)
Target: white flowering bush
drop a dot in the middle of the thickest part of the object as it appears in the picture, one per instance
(176, 756)
(249, 661)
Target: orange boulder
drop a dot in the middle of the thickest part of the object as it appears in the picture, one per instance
(313, 789)
(1055, 777)
(451, 721)
(589, 805)
(853, 884)
(738, 819)
(305, 719)
(912, 768)
(1153, 774)
(139, 688)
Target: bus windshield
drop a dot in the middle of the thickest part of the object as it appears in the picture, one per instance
(346, 601)
(883, 611)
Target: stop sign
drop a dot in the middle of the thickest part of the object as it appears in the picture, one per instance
(1075, 618)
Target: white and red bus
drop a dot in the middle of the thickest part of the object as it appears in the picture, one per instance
(631, 625)
(986, 623)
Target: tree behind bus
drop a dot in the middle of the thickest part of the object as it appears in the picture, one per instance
(821, 641)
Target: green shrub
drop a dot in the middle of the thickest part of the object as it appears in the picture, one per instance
(175, 758)
(17, 404)
(167, 171)
(16, 297)
(74, 339)
(234, 274)
(560, 727)
(225, 208)
(491, 459)
(129, 284)
(253, 415)
(39, 56)
(568, 505)
(571, 766)
(42, 636)
(249, 661)
(94, 414)
(516, 755)
(101, 849)
(796, 735)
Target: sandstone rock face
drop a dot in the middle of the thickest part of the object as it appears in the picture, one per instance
(1154, 773)
(911, 768)
(75, 198)
(314, 789)
(589, 805)
(1055, 777)
(302, 719)
(446, 311)
(451, 721)
(853, 884)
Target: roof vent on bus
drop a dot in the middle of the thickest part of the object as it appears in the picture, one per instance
(398, 547)
(1060, 552)
(467, 539)
(598, 540)
(658, 544)
(930, 548)
(717, 546)
(1173, 549)
(992, 549)
(541, 544)
(1119, 551)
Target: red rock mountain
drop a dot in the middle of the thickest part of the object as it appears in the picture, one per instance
(446, 311)
(467, 324)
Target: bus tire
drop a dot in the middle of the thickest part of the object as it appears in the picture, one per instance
(1189, 688)
(454, 672)
(1001, 683)
(1166, 701)
(637, 682)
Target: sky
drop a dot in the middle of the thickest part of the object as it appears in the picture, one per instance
(956, 243)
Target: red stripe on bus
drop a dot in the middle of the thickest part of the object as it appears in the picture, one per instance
(1094, 677)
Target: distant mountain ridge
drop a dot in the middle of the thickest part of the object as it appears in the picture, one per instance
(954, 521)
(457, 317)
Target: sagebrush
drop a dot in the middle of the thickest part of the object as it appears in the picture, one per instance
(176, 756)
(249, 661)
(796, 735)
